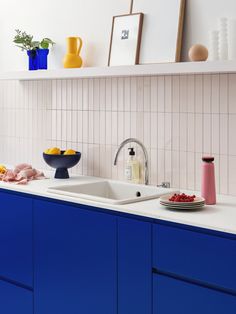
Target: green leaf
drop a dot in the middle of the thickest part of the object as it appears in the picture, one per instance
(18, 41)
(46, 42)
(44, 45)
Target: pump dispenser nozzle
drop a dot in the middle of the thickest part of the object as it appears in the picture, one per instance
(131, 151)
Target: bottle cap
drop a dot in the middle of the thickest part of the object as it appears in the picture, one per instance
(208, 158)
(132, 152)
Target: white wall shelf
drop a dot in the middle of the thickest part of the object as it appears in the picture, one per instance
(123, 71)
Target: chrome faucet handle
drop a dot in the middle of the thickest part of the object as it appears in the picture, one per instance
(165, 185)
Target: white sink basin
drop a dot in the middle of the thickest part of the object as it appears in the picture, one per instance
(111, 192)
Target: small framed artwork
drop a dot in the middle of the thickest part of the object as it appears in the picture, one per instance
(125, 39)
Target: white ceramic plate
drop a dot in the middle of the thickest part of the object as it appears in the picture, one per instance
(183, 208)
(180, 205)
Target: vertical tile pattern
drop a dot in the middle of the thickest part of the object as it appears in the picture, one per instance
(178, 118)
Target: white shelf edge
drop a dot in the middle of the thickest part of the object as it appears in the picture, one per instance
(124, 71)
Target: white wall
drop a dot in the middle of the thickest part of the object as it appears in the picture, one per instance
(90, 19)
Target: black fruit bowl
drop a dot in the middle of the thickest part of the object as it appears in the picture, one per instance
(62, 163)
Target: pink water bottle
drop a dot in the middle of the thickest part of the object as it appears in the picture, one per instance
(208, 180)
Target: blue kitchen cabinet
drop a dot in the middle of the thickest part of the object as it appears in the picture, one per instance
(134, 267)
(87, 261)
(179, 297)
(75, 260)
(16, 257)
(15, 300)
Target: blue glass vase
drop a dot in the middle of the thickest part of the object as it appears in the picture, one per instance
(43, 58)
(33, 60)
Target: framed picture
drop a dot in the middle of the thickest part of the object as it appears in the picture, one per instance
(125, 39)
(162, 30)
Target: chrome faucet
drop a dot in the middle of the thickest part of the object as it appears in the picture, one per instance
(134, 140)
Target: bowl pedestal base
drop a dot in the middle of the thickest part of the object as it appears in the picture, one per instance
(61, 173)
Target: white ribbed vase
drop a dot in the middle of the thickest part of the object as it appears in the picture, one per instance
(223, 39)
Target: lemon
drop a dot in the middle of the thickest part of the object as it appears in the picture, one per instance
(3, 169)
(70, 152)
(46, 151)
(54, 151)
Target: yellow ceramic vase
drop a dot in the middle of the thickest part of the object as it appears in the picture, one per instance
(72, 58)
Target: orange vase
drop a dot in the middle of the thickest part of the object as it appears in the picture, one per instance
(72, 58)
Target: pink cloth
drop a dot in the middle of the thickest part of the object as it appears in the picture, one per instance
(22, 174)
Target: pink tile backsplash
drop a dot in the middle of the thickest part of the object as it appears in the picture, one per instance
(178, 118)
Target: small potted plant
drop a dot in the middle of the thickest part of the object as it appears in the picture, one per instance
(37, 51)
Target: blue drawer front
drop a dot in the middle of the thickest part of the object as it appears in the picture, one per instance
(16, 261)
(15, 300)
(194, 255)
(178, 297)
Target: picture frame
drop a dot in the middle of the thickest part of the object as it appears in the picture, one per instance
(125, 39)
(162, 30)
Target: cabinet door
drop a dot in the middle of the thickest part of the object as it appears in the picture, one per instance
(75, 260)
(15, 300)
(134, 267)
(16, 260)
(179, 297)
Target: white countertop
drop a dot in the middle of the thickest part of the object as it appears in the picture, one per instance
(220, 217)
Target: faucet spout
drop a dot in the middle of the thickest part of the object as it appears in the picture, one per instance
(134, 140)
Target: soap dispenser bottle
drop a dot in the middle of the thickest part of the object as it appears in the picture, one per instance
(208, 180)
(132, 169)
